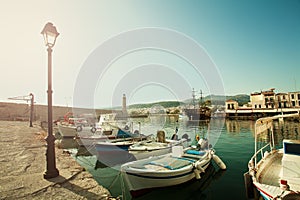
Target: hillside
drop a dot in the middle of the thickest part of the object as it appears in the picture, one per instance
(240, 98)
(165, 104)
(15, 111)
(215, 99)
(219, 100)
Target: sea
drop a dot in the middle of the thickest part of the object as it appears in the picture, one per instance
(232, 140)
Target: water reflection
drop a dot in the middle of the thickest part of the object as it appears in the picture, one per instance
(287, 129)
(190, 190)
(282, 130)
(238, 126)
(235, 146)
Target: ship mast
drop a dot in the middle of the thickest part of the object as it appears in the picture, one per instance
(194, 98)
(200, 101)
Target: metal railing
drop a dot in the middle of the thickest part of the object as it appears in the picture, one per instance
(261, 151)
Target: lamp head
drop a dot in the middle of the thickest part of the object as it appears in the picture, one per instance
(50, 34)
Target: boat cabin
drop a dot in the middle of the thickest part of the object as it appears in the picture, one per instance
(290, 161)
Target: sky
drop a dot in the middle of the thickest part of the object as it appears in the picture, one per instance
(149, 50)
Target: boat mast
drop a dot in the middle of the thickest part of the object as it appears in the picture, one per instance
(194, 98)
(200, 101)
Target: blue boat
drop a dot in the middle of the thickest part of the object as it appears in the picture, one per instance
(115, 151)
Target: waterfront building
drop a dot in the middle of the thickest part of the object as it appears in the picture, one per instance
(264, 103)
(282, 100)
(263, 99)
(294, 99)
(231, 104)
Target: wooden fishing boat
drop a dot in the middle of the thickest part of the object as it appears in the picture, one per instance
(171, 169)
(155, 147)
(115, 151)
(71, 130)
(274, 171)
(135, 147)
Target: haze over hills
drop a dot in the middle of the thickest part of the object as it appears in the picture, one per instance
(21, 110)
(215, 99)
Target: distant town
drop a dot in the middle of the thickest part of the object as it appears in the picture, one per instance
(253, 106)
(264, 103)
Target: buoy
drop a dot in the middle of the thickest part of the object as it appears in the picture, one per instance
(197, 173)
(284, 185)
(126, 127)
(93, 129)
(79, 128)
(219, 162)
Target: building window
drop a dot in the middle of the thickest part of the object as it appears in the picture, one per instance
(298, 103)
(298, 96)
(293, 103)
(259, 106)
(292, 96)
(283, 97)
(255, 106)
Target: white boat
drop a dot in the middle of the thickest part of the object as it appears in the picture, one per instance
(80, 128)
(219, 114)
(93, 139)
(274, 171)
(106, 122)
(171, 169)
(87, 143)
(72, 130)
(155, 147)
(134, 147)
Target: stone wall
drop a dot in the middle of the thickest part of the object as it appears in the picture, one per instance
(21, 112)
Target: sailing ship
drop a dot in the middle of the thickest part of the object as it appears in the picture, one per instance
(197, 110)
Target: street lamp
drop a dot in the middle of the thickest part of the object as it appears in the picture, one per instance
(50, 34)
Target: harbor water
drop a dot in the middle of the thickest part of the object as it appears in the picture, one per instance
(233, 143)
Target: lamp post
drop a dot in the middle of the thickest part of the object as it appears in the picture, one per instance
(50, 34)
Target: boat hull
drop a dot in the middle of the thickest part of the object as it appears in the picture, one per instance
(86, 145)
(196, 114)
(275, 171)
(70, 131)
(93, 140)
(67, 131)
(139, 179)
(111, 154)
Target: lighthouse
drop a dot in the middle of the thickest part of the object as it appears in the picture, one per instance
(124, 109)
